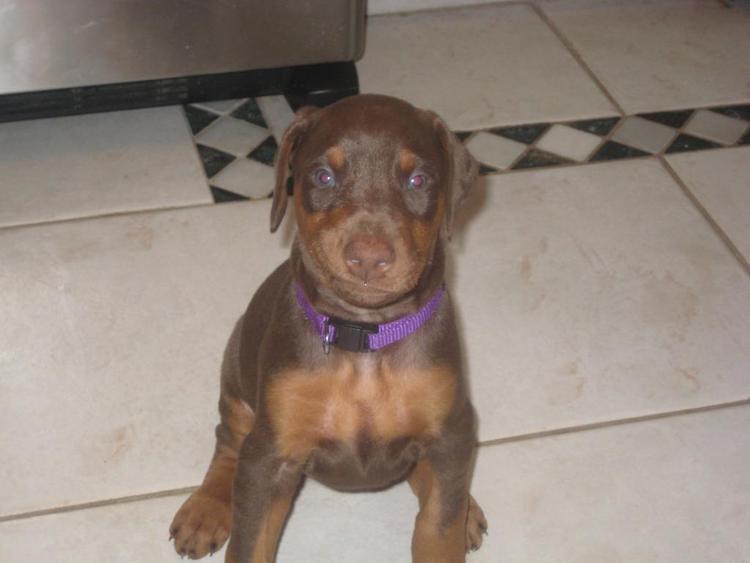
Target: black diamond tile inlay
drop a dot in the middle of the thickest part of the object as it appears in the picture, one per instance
(600, 127)
(222, 196)
(265, 152)
(484, 169)
(686, 142)
(198, 118)
(213, 160)
(738, 112)
(250, 112)
(462, 135)
(612, 150)
(674, 119)
(522, 133)
(536, 159)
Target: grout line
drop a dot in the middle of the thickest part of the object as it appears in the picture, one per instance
(714, 224)
(486, 443)
(437, 9)
(196, 152)
(577, 56)
(612, 423)
(97, 504)
(220, 113)
(573, 164)
(143, 211)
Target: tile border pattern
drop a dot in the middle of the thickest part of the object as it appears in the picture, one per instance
(605, 134)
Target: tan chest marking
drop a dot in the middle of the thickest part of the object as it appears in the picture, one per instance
(341, 402)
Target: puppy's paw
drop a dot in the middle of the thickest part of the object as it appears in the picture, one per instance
(476, 526)
(201, 525)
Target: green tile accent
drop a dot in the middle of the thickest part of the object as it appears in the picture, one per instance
(535, 158)
(250, 112)
(198, 119)
(674, 119)
(223, 196)
(213, 160)
(601, 126)
(265, 152)
(612, 150)
(526, 134)
(685, 142)
(738, 112)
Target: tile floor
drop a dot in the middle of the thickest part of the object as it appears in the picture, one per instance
(601, 270)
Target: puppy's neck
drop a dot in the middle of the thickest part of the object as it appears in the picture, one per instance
(325, 301)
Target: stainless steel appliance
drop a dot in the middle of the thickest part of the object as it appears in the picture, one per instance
(72, 56)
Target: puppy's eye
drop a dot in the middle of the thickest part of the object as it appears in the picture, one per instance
(417, 181)
(323, 178)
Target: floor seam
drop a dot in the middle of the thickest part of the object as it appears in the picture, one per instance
(486, 443)
(706, 214)
(96, 504)
(135, 212)
(194, 144)
(612, 423)
(568, 44)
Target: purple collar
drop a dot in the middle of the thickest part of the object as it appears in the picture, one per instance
(365, 337)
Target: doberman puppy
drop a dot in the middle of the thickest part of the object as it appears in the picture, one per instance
(346, 364)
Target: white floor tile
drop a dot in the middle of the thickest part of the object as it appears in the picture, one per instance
(495, 150)
(654, 55)
(86, 165)
(246, 177)
(593, 293)
(233, 136)
(716, 127)
(478, 67)
(668, 491)
(325, 526)
(617, 300)
(643, 134)
(721, 182)
(221, 106)
(585, 294)
(568, 142)
(276, 113)
(113, 331)
(375, 7)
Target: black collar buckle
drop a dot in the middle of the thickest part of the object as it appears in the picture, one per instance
(352, 336)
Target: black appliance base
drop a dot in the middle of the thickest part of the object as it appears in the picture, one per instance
(319, 85)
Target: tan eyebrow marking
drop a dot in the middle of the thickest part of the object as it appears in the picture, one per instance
(336, 157)
(407, 160)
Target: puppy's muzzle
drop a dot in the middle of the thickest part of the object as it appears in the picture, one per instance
(368, 258)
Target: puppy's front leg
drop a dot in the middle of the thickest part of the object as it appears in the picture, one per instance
(450, 522)
(264, 488)
(439, 530)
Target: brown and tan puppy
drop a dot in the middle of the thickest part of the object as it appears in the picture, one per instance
(375, 184)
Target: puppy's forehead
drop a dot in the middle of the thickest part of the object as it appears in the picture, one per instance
(374, 124)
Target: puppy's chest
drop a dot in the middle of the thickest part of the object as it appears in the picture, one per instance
(345, 402)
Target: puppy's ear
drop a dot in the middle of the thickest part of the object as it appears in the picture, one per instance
(289, 143)
(463, 171)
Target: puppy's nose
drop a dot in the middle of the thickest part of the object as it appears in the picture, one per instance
(368, 258)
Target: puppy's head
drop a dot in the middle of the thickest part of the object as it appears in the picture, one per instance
(376, 183)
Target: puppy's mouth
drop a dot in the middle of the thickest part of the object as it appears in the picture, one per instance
(373, 293)
(371, 275)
